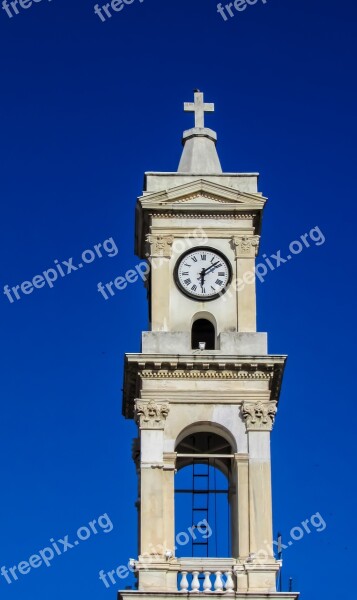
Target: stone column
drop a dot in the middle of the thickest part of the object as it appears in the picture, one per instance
(246, 249)
(169, 470)
(259, 419)
(240, 508)
(160, 254)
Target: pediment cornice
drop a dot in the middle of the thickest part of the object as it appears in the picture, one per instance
(202, 195)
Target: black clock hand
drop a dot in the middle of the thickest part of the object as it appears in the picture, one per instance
(202, 277)
(204, 272)
(212, 268)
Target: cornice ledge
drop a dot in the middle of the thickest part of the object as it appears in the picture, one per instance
(204, 365)
(212, 358)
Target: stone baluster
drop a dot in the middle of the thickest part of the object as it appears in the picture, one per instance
(229, 581)
(218, 584)
(195, 584)
(207, 584)
(184, 582)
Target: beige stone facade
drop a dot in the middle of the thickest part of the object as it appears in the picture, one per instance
(173, 390)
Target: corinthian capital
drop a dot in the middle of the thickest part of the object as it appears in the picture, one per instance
(246, 246)
(151, 415)
(161, 245)
(259, 416)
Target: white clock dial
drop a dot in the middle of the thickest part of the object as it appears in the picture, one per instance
(203, 273)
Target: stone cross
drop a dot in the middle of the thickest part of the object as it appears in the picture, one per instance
(199, 108)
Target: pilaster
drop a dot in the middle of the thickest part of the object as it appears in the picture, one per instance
(259, 419)
(246, 249)
(150, 417)
(160, 253)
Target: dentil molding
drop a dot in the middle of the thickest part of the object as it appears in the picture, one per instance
(195, 215)
(207, 374)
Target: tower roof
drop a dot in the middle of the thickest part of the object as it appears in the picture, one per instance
(199, 143)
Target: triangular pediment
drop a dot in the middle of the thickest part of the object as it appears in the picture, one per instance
(202, 194)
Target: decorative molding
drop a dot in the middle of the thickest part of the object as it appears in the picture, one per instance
(193, 215)
(259, 416)
(206, 196)
(151, 415)
(192, 374)
(246, 247)
(161, 245)
(241, 458)
(169, 461)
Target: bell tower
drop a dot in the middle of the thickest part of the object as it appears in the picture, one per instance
(204, 390)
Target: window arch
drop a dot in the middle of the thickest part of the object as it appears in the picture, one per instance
(202, 496)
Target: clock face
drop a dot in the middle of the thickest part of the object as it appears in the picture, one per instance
(203, 273)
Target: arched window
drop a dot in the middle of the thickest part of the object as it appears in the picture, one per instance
(202, 496)
(203, 331)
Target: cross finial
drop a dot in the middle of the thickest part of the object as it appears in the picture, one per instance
(199, 108)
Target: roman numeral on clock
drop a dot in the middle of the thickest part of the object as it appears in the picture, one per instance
(219, 282)
(187, 281)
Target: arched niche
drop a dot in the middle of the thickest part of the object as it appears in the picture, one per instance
(204, 330)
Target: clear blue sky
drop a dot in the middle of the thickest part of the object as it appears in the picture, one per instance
(87, 106)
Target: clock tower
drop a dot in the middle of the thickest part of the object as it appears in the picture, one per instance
(203, 391)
